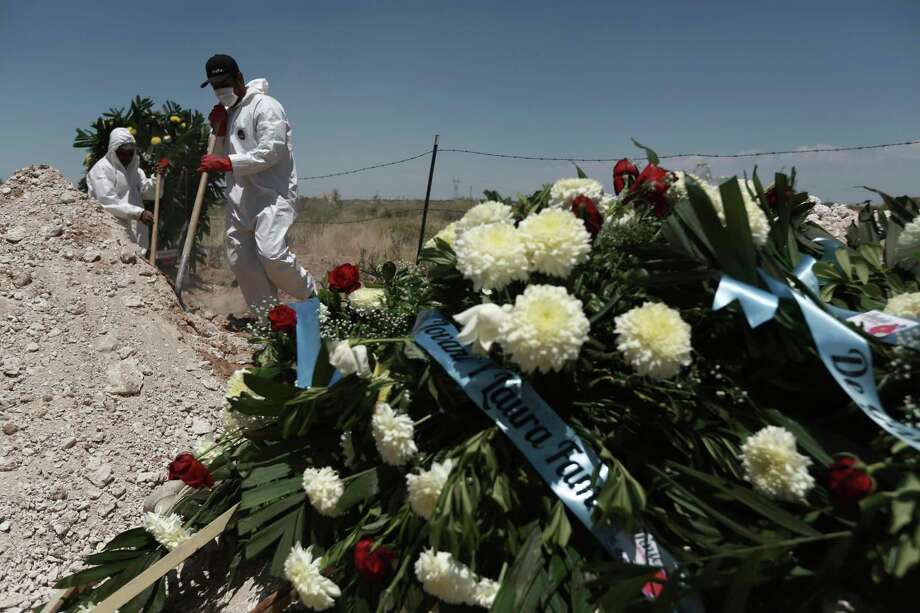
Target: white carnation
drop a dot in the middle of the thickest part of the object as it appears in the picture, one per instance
(484, 213)
(350, 360)
(492, 256)
(757, 220)
(654, 340)
(774, 467)
(485, 592)
(167, 530)
(452, 581)
(444, 577)
(545, 329)
(909, 239)
(303, 571)
(556, 241)
(236, 386)
(393, 433)
(367, 298)
(564, 191)
(206, 449)
(324, 489)
(481, 324)
(904, 305)
(425, 487)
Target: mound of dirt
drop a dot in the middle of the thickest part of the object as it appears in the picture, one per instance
(103, 380)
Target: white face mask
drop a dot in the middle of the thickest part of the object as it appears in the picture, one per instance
(226, 96)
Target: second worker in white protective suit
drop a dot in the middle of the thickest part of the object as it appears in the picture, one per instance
(261, 185)
(120, 186)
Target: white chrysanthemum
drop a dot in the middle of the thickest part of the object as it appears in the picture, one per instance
(448, 234)
(350, 360)
(484, 213)
(492, 256)
(235, 421)
(545, 329)
(393, 433)
(425, 487)
(564, 191)
(774, 467)
(485, 592)
(481, 324)
(556, 241)
(444, 577)
(324, 489)
(904, 305)
(654, 340)
(167, 530)
(606, 204)
(909, 239)
(85, 608)
(757, 220)
(303, 571)
(348, 448)
(367, 298)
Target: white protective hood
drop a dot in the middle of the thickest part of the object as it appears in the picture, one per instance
(119, 137)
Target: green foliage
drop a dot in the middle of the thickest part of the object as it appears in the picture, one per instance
(183, 135)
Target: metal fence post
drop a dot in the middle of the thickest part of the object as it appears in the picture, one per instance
(421, 235)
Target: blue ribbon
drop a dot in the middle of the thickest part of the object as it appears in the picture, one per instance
(758, 306)
(308, 340)
(555, 451)
(845, 354)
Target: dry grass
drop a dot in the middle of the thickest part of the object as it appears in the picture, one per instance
(365, 232)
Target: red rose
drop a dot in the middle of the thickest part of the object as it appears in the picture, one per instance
(848, 481)
(373, 564)
(586, 209)
(344, 278)
(653, 183)
(283, 318)
(192, 472)
(623, 169)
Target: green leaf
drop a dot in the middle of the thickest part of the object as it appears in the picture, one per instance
(388, 271)
(293, 533)
(558, 531)
(843, 260)
(91, 575)
(581, 173)
(649, 153)
(264, 474)
(737, 224)
(271, 533)
(360, 487)
(527, 564)
(135, 538)
(270, 491)
(255, 521)
(268, 389)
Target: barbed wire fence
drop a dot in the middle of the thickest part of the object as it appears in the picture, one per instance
(434, 150)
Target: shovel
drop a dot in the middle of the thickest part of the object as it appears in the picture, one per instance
(214, 143)
(156, 221)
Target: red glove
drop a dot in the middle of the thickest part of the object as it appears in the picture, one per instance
(215, 163)
(162, 165)
(218, 119)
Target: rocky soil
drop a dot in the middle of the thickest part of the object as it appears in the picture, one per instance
(103, 380)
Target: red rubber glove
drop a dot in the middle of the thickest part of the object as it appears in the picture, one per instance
(218, 119)
(163, 165)
(215, 163)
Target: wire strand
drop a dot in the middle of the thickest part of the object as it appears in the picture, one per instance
(356, 170)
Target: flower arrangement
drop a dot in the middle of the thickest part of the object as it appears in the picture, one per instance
(393, 481)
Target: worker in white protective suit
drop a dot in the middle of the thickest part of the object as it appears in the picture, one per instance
(120, 186)
(261, 185)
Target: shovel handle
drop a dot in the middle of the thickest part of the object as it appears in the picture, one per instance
(156, 223)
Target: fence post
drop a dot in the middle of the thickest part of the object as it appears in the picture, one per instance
(421, 235)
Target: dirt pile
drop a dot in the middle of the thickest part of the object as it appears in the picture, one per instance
(103, 380)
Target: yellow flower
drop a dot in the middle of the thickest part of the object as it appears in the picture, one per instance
(88, 159)
(133, 131)
(156, 140)
(183, 125)
(175, 119)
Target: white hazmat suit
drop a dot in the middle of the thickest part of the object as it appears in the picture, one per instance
(121, 191)
(261, 191)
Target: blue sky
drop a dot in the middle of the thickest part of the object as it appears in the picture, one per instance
(365, 82)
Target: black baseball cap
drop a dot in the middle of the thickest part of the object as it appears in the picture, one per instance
(218, 67)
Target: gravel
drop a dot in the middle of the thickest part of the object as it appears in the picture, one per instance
(103, 380)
